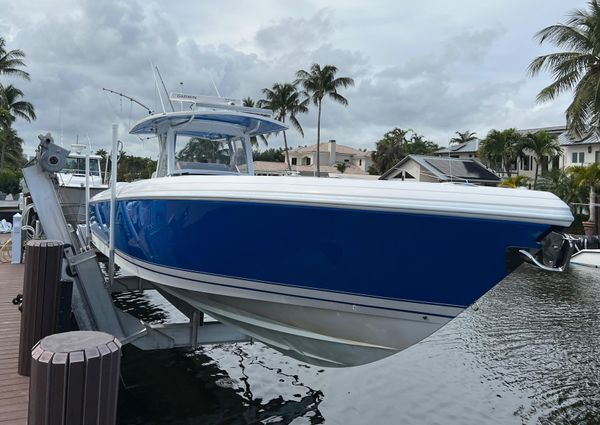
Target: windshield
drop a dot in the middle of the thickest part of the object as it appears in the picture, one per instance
(77, 166)
(202, 156)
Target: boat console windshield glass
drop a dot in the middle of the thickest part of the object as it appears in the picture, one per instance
(194, 155)
(76, 166)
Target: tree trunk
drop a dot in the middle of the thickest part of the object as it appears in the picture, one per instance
(287, 153)
(537, 166)
(2, 156)
(507, 167)
(319, 141)
(592, 206)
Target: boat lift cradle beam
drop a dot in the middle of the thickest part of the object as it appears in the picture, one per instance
(92, 303)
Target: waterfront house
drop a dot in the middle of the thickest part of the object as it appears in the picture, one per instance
(442, 169)
(576, 151)
(303, 161)
(330, 154)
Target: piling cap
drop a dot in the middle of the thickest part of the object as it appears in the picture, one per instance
(68, 342)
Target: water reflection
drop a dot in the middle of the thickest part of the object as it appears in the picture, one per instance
(529, 353)
(186, 387)
(179, 387)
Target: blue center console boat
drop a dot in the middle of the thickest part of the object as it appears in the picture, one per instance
(333, 272)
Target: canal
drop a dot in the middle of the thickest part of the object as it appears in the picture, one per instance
(526, 353)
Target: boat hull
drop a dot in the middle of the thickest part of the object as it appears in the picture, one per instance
(333, 333)
(331, 286)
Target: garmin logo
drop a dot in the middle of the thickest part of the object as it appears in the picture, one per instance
(182, 96)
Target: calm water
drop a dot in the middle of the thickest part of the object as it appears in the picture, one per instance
(527, 354)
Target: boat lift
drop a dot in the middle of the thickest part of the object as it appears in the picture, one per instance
(92, 304)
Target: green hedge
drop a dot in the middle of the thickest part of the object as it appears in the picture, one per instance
(10, 181)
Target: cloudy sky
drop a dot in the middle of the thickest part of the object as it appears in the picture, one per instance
(434, 66)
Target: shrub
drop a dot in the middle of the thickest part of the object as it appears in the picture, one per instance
(10, 181)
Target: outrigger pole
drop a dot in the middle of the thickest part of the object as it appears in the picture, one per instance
(150, 111)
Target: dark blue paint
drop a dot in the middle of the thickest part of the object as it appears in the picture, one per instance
(425, 258)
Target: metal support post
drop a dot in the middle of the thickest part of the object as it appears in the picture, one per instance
(113, 196)
(16, 238)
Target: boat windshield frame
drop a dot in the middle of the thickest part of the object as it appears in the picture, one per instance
(81, 171)
(214, 125)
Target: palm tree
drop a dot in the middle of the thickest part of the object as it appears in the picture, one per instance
(564, 185)
(11, 108)
(10, 101)
(317, 84)
(462, 137)
(541, 144)
(588, 177)
(11, 150)
(250, 103)
(576, 68)
(11, 61)
(501, 148)
(284, 99)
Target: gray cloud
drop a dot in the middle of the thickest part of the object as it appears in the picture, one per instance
(436, 68)
(293, 32)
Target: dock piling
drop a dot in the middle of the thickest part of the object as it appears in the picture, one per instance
(41, 296)
(75, 379)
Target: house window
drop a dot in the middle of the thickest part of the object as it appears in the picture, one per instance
(346, 160)
(527, 163)
(294, 161)
(360, 162)
(578, 157)
(307, 161)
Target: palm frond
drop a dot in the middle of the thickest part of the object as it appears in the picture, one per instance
(338, 98)
(296, 125)
(565, 36)
(343, 82)
(11, 61)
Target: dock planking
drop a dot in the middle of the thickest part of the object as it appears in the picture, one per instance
(14, 389)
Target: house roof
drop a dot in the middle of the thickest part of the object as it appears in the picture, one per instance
(447, 169)
(554, 130)
(325, 148)
(281, 167)
(591, 139)
(466, 147)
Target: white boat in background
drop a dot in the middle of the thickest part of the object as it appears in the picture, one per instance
(586, 250)
(330, 271)
(72, 182)
(587, 257)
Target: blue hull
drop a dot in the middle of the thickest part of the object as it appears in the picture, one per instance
(431, 259)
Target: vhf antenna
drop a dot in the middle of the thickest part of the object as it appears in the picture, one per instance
(164, 88)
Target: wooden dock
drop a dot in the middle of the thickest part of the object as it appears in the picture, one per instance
(14, 389)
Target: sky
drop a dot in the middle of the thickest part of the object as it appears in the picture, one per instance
(435, 66)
